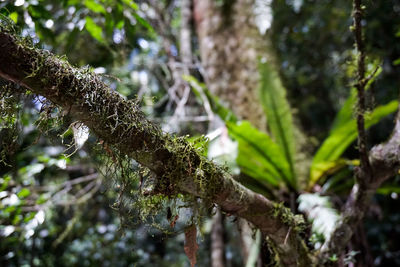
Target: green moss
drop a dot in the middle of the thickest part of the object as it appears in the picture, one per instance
(286, 216)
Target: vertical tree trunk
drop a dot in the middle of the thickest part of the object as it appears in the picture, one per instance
(230, 47)
(217, 230)
(186, 34)
(217, 241)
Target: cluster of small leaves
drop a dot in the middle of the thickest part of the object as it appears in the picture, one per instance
(94, 28)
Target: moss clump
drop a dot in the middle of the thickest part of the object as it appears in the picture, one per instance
(7, 25)
(296, 222)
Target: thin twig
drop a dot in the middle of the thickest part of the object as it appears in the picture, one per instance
(365, 167)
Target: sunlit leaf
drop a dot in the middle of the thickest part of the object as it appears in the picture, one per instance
(24, 193)
(14, 16)
(94, 6)
(131, 4)
(94, 29)
(346, 113)
(4, 182)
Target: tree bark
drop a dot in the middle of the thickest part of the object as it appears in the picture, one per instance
(217, 241)
(385, 163)
(230, 46)
(177, 166)
(376, 165)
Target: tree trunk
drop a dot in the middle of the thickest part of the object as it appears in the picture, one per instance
(217, 240)
(230, 46)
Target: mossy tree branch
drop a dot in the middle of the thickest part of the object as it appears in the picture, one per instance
(384, 163)
(178, 167)
(365, 168)
(376, 166)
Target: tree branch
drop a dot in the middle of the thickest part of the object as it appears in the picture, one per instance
(178, 166)
(381, 163)
(365, 169)
(385, 163)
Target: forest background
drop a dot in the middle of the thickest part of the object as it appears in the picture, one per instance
(271, 84)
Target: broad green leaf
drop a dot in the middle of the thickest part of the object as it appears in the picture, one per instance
(28, 217)
(73, 2)
(24, 193)
(388, 189)
(94, 29)
(14, 16)
(95, 7)
(277, 109)
(4, 182)
(259, 156)
(342, 124)
(341, 138)
(131, 4)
